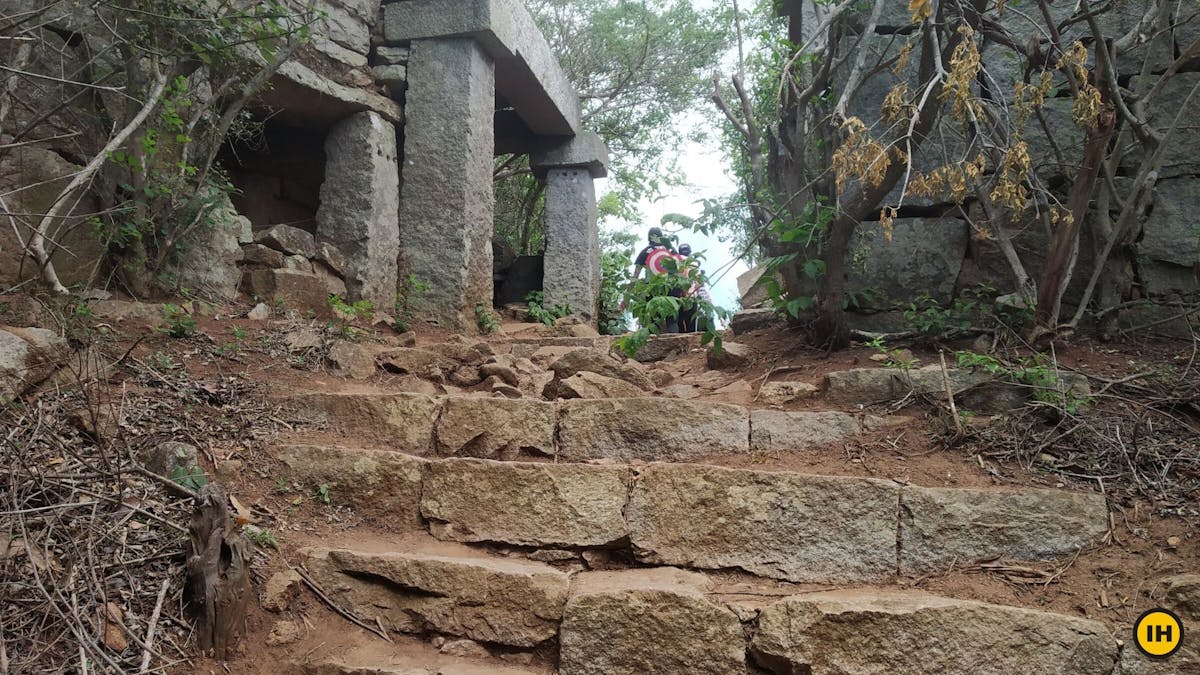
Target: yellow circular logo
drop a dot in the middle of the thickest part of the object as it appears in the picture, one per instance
(1158, 633)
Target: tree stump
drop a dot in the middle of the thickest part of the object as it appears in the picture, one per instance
(218, 572)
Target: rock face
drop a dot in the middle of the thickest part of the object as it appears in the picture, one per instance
(777, 431)
(650, 429)
(360, 201)
(209, 264)
(941, 526)
(774, 524)
(651, 622)
(403, 422)
(510, 602)
(923, 255)
(847, 632)
(524, 503)
(27, 357)
(382, 484)
(495, 428)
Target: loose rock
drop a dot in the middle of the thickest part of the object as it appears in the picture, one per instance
(733, 355)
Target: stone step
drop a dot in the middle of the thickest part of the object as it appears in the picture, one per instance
(341, 651)
(576, 430)
(775, 524)
(434, 587)
(667, 620)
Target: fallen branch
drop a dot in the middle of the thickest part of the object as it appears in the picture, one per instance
(353, 618)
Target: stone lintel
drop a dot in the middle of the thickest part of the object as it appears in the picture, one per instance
(527, 72)
(584, 151)
(303, 98)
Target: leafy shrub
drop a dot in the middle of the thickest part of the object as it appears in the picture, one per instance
(538, 311)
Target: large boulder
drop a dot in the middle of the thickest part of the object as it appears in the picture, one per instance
(876, 385)
(650, 429)
(943, 526)
(296, 289)
(495, 428)
(503, 601)
(27, 357)
(209, 258)
(525, 504)
(288, 240)
(774, 524)
(661, 347)
(861, 632)
(649, 622)
(381, 484)
(586, 384)
(596, 361)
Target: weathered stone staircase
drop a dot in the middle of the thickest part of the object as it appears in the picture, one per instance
(588, 536)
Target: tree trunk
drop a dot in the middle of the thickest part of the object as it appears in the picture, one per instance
(1064, 249)
(218, 572)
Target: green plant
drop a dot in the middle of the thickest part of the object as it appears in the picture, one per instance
(239, 333)
(1048, 386)
(900, 359)
(347, 312)
(262, 537)
(538, 311)
(656, 301)
(486, 319)
(161, 361)
(192, 477)
(179, 324)
(322, 492)
(616, 251)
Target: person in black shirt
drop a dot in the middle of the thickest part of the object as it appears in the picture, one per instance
(646, 259)
(651, 258)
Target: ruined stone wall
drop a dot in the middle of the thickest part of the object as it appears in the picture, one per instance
(935, 250)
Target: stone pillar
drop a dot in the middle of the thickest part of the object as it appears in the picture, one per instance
(447, 200)
(359, 205)
(572, 262)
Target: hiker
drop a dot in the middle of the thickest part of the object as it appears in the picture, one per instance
(653, 258)
(689, 318)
